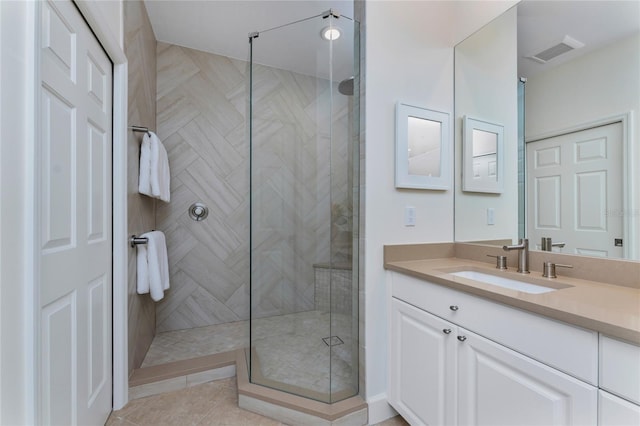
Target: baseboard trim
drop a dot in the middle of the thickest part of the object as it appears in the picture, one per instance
(379, 409)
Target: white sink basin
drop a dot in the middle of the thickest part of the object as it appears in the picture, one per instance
(503, 282)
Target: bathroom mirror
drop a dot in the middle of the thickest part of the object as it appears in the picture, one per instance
(482, 151)
(422, 153)
(593, 84)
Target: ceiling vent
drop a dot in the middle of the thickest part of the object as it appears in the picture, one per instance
(566, 45)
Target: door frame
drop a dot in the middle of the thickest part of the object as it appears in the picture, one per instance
(630, 174)
(112, 46)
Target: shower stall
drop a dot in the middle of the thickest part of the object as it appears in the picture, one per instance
(304, 207)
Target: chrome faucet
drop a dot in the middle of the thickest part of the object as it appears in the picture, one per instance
(523, 254)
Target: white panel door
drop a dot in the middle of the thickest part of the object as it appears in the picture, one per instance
(422, 362)
(575, 191)
(74, 205)
(498, 386)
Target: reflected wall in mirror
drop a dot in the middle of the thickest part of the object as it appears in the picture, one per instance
(486, 88)
(482, 152)
(422, 154)
(573, 178)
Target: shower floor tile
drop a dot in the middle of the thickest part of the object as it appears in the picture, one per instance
(178, 345)
(288, 350)
(292, 355)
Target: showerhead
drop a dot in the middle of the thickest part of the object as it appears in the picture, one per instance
(346, 86)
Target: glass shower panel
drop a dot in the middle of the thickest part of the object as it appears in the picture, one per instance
(345, 156)
(302, 213)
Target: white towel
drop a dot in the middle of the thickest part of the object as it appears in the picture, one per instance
(143, 269)
(153, 272)
(155, 177)
(144, 178)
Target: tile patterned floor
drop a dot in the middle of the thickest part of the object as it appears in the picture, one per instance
(290, 349)
(196, 342)
(214, 404)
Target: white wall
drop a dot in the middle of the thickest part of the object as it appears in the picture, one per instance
(592, 87)
(487, 89)
(409, 57)
(600, 84)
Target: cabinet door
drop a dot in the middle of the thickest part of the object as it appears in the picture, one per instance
(498, 386)
(614, 411)
(421, 366)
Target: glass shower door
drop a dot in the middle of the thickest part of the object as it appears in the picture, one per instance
(302, 186)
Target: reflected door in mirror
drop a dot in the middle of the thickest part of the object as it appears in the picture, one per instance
(575, 191)
(482, 151)
(485, 156)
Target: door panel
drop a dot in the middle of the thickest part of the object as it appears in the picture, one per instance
(422, 379)
(498, 386)
(74, 201)
(58, 349)
(575, 191)
(58, 175)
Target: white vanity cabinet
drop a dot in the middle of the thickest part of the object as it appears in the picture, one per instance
(452, 361)
(442, 374)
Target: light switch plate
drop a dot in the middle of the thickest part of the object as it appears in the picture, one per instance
(409, 216)
(491, 216)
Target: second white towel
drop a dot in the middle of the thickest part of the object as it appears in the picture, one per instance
(153, 266)
(155, 178)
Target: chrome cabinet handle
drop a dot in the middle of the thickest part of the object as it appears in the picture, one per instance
(462, 338)
(453, 307)
(447, 331)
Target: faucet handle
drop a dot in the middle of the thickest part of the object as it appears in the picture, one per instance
(501, 262)
(549, 269)
(547, 244)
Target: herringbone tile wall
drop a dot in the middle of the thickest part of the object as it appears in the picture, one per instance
(139, 46)
(201, 110)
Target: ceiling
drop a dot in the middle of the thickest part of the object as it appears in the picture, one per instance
(222, 27)
(542, 24)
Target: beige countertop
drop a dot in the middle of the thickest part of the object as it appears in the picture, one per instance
(613, 310)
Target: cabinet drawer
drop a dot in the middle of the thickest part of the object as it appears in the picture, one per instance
(568, 348)
(620, 368)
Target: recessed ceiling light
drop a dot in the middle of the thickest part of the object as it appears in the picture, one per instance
(330, 33)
